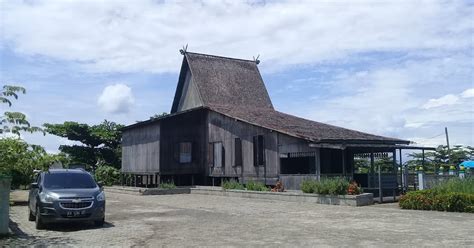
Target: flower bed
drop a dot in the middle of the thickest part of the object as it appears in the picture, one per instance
(292, 196)
(452, 196)
(331, 186)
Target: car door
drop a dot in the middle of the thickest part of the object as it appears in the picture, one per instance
(33, 193)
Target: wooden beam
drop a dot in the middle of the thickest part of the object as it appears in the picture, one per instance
(372, 172)
(343, 162)
(380, 184)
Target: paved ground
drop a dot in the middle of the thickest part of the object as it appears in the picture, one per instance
(200, 220)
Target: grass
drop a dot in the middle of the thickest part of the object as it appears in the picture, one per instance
(167, 186)
(326, 186)
(453, 195)
(455, 185)
(256, 186)
(232, 184)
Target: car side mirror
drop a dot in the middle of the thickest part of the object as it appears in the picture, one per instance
(34, 185)
(101, 184)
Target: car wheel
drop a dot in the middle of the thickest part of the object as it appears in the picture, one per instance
(31, 217)
(99, 223)
(38, 220)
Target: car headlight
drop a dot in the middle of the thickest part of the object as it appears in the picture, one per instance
(101, 196)
(47, 198)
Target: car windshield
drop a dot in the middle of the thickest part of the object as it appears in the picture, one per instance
(68, 181)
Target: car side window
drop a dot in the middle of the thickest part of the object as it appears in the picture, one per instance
(38, 178)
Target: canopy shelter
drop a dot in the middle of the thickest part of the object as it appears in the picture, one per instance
(375, 179)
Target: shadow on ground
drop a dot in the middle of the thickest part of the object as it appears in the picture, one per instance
(75, 226)
(18, 237)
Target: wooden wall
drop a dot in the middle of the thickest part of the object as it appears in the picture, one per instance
(190, 95)
(186, 127)
(141, 149)
(225, 129)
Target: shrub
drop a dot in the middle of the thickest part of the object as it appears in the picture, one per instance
(354, 189)
(169, 185)
(456, 185)
(232, 184)
(108, 175)
(256, 186)
(434, 200)
(308, 186)
(419, 200)
(326, 186)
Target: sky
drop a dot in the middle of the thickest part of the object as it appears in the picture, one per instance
(401, 69)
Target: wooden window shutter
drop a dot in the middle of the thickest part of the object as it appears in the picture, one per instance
(218, 158)
(222, 155)
(261, 150)
(210, 154)
(176, 151)
(237, 152)
(255, 150)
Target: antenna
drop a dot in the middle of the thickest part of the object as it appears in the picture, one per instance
(183, 51)
(256, 59)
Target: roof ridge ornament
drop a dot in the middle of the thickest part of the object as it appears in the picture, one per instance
(183, 51)
(257, 61)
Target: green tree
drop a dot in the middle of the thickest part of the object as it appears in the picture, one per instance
(155, 116)
(97, 144)
(14, 122)
(441, 157)
(18, 159)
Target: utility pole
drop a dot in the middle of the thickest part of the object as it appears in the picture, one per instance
(447, 142)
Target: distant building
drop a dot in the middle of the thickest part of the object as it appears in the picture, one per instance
(223, 125)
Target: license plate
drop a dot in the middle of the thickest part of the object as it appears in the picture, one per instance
(76, 213)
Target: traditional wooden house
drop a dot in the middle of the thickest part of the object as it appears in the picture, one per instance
(223, 125)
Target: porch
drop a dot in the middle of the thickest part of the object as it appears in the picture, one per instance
(374, 166)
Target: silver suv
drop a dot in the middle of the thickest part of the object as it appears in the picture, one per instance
(65, 195)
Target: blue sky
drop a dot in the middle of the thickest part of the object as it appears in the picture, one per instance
(403, 68)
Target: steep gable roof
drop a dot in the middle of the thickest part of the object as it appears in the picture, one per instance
(223, 81)
(234, 88)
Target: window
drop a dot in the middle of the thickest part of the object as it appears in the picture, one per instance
(68, 181)
(258, 150)
(184, 152)
(216, 154)
(210, 154)
(237, 152)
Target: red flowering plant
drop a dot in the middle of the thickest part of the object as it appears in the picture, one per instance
(354, 188)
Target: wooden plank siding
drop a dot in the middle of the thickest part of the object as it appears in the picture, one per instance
(141, 150)
(186, 127)
(225, 129)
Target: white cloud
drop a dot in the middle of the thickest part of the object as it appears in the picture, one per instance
(393, 100)
(468, 93)
(449, 99)
(432, 53)
(117, 98)
(120, 36)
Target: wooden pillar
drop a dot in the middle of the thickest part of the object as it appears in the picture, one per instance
(402, 170)
(344, 163)
(372, 173)
(395, 167)
(380, 183)
(423, 158)
(317, 163)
